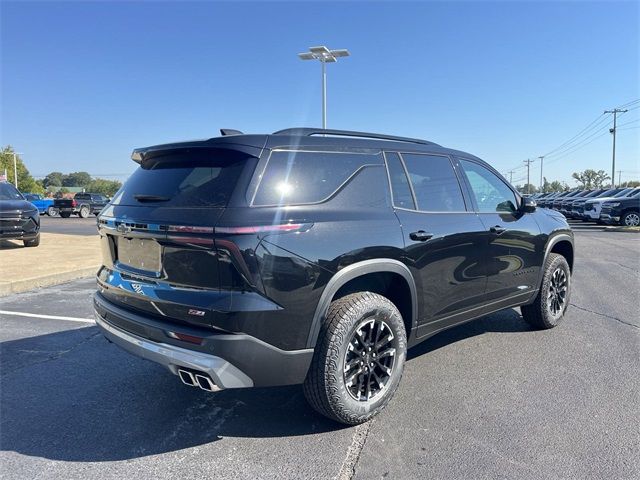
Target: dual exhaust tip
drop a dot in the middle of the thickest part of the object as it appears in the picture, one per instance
(197, 379)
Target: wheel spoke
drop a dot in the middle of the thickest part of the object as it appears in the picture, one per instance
(370, 358)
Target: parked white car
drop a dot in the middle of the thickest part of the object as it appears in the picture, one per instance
(592, 207)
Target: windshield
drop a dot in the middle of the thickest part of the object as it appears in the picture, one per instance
(9, 192)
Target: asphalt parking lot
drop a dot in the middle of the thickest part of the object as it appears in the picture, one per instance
(490, 399)
(69, 226)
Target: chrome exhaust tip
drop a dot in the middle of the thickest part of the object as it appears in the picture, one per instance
(187, 378)
(205, 383)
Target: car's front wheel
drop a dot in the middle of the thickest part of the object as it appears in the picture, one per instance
(359, 358)
(34, 242)
(630, 219)
(552, 301)
(84, 212)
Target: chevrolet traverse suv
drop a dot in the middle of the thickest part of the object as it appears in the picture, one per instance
(317, 257)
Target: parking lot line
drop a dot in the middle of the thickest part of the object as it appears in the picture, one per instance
(48, 317)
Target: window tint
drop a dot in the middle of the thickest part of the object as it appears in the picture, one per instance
(292, 178)
(9, 192)
(491, 193)
(201, 178)
(434, 183)
(402, 196)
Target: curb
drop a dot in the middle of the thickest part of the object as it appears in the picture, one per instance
(20, 286)
(623, 229)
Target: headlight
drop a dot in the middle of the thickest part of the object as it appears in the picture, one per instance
(28, 213)
(614, 204)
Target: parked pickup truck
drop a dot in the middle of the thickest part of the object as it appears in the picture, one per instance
(44, 205)
(83, 205)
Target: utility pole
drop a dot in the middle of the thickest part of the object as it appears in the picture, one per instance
(619, 178)
(510, 172)
(541, 177)
(615, 112)
(528, 162)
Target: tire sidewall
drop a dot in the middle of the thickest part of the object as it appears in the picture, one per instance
(394, 321)
(557, 262)
(624, 218)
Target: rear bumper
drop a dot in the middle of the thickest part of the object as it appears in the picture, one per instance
(231, 360)
(222, 372)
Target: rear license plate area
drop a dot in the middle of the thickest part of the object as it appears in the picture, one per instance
(140, 254)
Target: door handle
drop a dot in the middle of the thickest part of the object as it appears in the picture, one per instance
(497, 229)
(420, 236)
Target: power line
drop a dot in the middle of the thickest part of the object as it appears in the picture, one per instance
(637, 100)
(591, 126)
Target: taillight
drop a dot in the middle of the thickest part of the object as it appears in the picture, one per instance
(285, 227)
(74, 203)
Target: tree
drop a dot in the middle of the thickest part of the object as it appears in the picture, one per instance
(630, 183)
(527, 188)
(590, 178)
(103, 186)
(557, 186)
(54, 179)
(76, 179)
(26, 182)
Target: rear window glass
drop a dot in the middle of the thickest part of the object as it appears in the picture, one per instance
(294, 177)
(203, 178)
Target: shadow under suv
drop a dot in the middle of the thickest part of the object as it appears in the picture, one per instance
(317, 257)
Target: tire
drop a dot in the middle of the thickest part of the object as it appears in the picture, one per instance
(549, 306)
(84, 212)
(630, 219)
(52, 211)
(326, 387)
(65, 214)
(32, 243)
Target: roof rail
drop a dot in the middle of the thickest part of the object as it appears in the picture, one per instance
(308, 132)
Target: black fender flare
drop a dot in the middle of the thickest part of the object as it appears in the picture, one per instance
(547, 250)
(355, 270)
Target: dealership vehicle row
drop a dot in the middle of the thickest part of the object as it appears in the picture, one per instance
(612, 206)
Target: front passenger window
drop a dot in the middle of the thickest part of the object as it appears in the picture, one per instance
(490, 192)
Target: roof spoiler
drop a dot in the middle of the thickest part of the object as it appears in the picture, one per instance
(230, 131)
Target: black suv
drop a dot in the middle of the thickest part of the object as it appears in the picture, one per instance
(317, 257)
(19, 219)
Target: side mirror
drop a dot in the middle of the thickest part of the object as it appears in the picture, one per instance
(528, 205)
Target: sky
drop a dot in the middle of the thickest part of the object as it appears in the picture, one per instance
(83, 83)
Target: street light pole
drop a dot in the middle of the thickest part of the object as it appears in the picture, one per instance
(324, 95)
(15, 167)
(324, 56)
(541, 177)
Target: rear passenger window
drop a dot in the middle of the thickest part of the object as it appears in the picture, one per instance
(434, 183)
(295, 177)
(402, 196)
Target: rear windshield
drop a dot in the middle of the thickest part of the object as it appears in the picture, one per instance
(202, 178)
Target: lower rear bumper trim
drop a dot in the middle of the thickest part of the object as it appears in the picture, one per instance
(223, 373)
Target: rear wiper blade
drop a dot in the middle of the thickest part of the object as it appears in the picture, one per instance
(151, 198)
